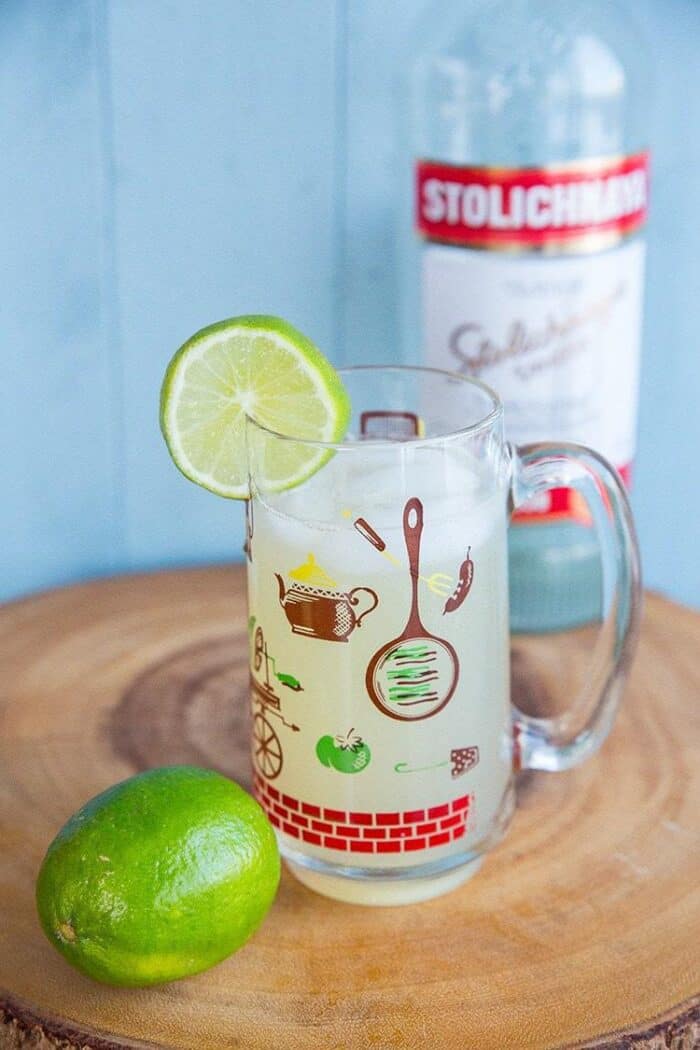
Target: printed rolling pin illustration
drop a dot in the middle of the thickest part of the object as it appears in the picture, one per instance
(321, 611)
(371, 535)
(413, 676)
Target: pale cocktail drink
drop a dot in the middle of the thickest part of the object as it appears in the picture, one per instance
(379, 659)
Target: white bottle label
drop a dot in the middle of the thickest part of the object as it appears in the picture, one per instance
(557, 337)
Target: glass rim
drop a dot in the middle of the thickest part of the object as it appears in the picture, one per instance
(492, 416)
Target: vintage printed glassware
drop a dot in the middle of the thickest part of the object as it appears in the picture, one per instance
(384, 740)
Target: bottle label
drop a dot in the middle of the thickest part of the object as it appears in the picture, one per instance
(584, 206)
(557, 337)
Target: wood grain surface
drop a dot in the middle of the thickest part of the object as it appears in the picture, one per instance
(581, 930)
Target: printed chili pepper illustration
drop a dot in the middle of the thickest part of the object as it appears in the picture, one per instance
(466, 576)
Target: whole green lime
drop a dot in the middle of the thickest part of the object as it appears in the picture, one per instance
(159, 877)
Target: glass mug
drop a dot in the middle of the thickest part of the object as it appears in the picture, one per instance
(384, 741)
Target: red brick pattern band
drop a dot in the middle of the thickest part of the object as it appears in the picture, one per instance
(361, 832)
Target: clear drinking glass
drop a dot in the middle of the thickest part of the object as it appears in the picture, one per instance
(384, 740)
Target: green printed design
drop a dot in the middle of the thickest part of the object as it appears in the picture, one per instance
(412, 649)
(290, 681)
(411, 674)
(346, 752)
(405, 767)
(261, 653)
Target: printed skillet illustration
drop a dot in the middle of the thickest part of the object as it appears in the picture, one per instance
(414, 675)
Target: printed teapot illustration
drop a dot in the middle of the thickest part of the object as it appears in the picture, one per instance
(316, 608)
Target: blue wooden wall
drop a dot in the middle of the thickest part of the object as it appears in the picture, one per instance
(165, 164)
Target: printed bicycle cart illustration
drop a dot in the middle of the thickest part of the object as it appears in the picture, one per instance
(268, 756)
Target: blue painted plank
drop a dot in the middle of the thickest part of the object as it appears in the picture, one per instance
(373, 187)
(667, 494)
(224, 139)
(55, 424)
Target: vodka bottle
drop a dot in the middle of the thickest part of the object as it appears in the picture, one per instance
(526, 170)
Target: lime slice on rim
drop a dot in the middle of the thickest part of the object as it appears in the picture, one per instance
(250, 366)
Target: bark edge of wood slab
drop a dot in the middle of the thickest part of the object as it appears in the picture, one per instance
(23, 1028)
(578, 932)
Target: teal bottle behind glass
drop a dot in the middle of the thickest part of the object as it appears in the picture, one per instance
(522, 256)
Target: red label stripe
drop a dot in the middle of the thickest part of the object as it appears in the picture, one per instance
(596, 201)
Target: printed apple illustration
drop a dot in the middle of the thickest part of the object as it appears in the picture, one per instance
(346, 752)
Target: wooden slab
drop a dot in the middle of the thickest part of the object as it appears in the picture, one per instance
(582, 928)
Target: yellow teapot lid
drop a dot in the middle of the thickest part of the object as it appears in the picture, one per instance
(312, 573)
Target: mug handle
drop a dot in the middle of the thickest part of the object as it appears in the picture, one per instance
(551, 743)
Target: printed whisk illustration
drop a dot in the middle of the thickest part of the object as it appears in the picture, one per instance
(415, 675)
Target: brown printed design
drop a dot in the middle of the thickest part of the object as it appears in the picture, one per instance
(268, 757)
(390, 426)
(415, 675)
(463, 759)
(322, 611)
(464, 584)
(368, 533)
